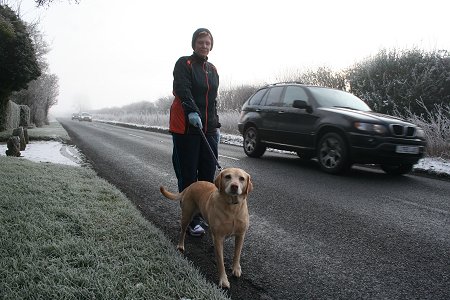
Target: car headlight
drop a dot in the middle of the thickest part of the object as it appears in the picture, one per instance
(369, 127)
(420, 133)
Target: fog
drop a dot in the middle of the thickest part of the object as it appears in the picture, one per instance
(112, 53)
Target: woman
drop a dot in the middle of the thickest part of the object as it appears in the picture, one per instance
(195, 85)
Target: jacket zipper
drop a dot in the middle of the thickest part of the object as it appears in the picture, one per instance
(207, 94)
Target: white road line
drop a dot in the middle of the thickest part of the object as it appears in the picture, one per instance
(438, 210)
(229, 157)
(418, 205)
(133, 135)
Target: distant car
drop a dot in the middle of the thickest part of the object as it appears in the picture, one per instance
(335, 126)
(84, 116)
(75, 116)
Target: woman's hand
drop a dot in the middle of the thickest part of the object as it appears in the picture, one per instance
(194, 119)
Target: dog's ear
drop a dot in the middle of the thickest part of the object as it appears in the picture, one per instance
(249, 184)
(218, 180)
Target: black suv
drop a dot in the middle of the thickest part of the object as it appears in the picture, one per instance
(335, 126)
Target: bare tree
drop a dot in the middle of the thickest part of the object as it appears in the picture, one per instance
(232, 98)
(40, 96)
(48, 2)
(324, 76)
(163, 104)
(321, 76)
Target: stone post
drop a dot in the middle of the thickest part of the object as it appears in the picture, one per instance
(19, 132)
(13, 145)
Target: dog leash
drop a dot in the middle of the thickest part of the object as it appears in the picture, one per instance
(209, 148)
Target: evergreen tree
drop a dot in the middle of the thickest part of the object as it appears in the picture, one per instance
(18, 63)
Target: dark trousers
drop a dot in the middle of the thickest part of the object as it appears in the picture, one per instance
(192, 160)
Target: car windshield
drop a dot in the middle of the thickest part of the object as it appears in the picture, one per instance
(335, 98)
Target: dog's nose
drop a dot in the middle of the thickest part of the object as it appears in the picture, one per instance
(234, 188)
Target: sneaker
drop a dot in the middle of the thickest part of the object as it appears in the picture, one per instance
(196, 231)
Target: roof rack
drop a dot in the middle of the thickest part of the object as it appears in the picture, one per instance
(285, 82)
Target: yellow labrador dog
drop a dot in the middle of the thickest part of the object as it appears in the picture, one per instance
(224, 206)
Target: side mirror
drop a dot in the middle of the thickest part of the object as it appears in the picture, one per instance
(302, 104)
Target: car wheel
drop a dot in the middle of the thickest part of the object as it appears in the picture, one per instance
(252, 145)
(332, 154)
(397, 169)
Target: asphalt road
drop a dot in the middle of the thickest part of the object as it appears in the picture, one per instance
(363, 235)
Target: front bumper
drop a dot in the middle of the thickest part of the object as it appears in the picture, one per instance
(384, 150)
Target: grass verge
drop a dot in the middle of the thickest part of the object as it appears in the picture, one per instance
(68, 234)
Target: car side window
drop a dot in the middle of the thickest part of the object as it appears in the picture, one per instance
(274, 96)
(256, 99)
(294, 93)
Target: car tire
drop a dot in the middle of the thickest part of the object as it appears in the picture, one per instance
(397, 169)
(332, 154)
(252, 144)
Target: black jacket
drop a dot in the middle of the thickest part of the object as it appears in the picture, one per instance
(195, 86)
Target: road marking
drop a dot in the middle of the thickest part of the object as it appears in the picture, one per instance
(229, 157)
(133, 135)
(438, 210)
(422, 206)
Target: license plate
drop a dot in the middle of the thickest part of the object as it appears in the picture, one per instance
(407, 149)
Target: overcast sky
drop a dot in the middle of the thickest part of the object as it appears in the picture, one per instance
(111, 53)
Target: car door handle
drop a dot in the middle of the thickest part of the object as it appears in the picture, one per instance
(281, 111)
(258, 110)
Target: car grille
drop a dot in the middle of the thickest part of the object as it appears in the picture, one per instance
(400, 130)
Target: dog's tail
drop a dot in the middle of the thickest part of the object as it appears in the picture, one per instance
(169, 195)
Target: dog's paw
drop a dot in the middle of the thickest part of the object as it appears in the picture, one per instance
(224, 283)
(237, 272)
(180, 248)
